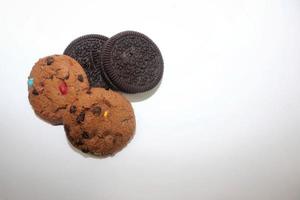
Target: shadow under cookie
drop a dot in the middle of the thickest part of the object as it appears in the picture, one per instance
(138, 97)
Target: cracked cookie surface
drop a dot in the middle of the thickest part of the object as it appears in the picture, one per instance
(54, 82)
(100, 122)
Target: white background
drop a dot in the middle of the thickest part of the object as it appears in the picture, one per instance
(223, 125)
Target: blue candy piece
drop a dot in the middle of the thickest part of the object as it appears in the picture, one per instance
(30, 82)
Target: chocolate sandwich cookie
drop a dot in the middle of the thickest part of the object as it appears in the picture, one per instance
(132, 62)
(54, 82)
(87, 51)
(100, 122)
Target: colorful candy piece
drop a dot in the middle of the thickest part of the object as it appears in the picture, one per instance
(105, 114)
(63, 88)
(30, 82)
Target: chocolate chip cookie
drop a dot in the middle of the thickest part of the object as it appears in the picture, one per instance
(54, 82)
(100, 122)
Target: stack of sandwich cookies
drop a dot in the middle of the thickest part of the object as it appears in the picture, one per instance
(74, 89)
(129, 61)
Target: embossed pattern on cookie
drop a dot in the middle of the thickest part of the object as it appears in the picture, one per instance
(87, 51)
(132, 62)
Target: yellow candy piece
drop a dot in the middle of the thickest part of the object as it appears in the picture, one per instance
(105, 114)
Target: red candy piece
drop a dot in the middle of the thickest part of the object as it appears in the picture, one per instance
(63, 88)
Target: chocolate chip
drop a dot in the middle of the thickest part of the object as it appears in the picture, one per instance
(85, 150)
(35, 92)
(80, 78)
(96, 110)
(73, 109)
(85, 135)
(79, 142)
(89, 91)
(80, 117)
(50, 60)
